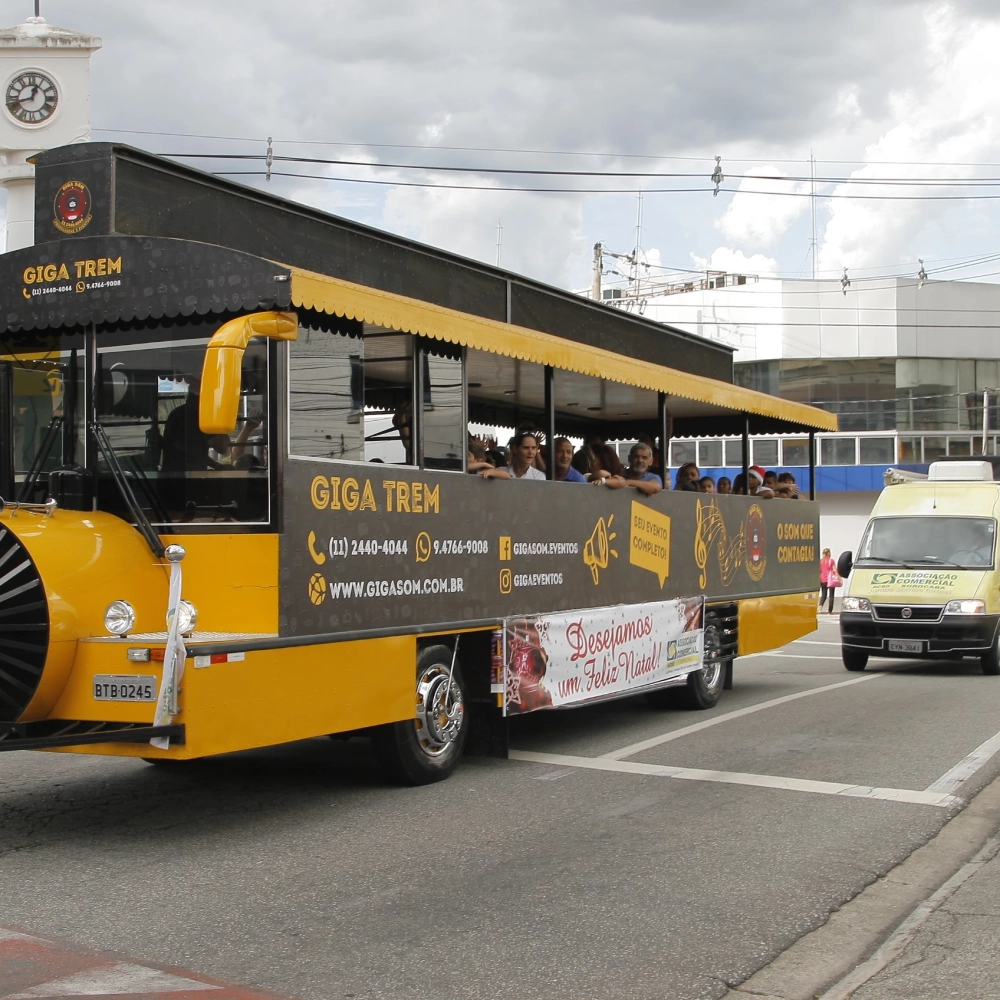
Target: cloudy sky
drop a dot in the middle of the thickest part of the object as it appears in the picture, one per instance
(886, 91)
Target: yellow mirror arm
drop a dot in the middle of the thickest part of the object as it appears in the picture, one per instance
(221, 373)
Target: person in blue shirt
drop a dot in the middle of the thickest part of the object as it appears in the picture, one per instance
(564, 471)
(637, 475)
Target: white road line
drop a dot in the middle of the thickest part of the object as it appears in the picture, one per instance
(123, 977)
(717, 720)
(896, 943)
(967, 766)
(907, 795)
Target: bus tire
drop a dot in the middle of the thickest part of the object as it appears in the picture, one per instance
(854, 659)
(704, 687)
(428, 747)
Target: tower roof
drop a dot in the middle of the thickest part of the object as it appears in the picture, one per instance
(37, 33)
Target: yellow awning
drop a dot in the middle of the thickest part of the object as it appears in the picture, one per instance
(370, 305)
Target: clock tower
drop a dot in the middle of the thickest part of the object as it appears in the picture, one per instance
(45, 102)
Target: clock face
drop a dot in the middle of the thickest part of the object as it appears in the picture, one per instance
(31, 98)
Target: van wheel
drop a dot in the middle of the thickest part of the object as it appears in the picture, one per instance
(991, 661)
(704, 687)
(854, 659)
(429, 746)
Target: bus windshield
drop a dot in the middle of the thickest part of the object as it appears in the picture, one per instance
(145, 397)
(958, 542)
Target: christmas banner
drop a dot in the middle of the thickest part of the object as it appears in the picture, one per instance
(555, 660)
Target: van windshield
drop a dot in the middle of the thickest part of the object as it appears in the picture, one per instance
(962, 542)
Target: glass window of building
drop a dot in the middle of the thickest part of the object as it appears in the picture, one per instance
(795, 451)
(935, 448)
(959, 446)
(681, 452)
(710, 454)
(876, 451)
(765, 452)
(444, 434)
(911, 450)
(734, 453)
(838, 451)
(326, 383)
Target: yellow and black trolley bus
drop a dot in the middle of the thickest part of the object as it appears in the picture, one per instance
(236, 509)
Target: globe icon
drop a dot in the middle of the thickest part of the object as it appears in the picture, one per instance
(317, 588)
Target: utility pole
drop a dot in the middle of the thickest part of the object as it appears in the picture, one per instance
(595, 288)
(986, 418)
(499, 241)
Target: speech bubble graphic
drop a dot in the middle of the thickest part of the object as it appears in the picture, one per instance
(649, 541)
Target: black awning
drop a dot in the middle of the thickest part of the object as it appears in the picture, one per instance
(111, 279)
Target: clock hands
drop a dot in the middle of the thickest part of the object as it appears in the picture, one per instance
(27, 94)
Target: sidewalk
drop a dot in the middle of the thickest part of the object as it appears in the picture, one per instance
(951, 951)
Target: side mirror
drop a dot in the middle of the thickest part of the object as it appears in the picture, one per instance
(845, 564)
(219, 403)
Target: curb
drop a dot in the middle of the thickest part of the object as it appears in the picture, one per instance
(853, 935)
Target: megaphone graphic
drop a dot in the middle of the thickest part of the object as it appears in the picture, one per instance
(595, 550)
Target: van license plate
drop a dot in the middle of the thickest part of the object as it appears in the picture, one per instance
(906, 646)
(124, 687)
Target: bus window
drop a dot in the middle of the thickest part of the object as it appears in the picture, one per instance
(443, 425)
(388, 375)
(326, 382)
(147, 403)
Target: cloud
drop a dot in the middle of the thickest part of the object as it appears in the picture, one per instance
(952, 121)
(761, 219)
(736, 262)
(540, 233)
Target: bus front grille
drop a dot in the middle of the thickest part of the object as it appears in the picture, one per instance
(24, 627)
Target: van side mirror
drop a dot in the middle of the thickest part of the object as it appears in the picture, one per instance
(219, 403)
(845, 564)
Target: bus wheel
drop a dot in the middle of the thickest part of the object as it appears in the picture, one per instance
(704, 687)
(854, 659)
(428, 747)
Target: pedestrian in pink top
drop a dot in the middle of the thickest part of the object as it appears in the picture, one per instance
(829, 580)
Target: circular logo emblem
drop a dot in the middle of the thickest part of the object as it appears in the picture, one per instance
(755, 543)
(317, 588)
(907, 612)
(71, 208)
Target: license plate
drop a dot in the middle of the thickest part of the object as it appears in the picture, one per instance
(906, 646)
(124, 687)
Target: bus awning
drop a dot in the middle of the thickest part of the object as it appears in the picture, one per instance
(334, 296)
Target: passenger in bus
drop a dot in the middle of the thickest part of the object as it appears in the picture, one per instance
(688, 486)
(477, 458)
(607, 462)
(688, 472)
(706, 484)
(647, 439)
(740, 485)
(496, 458)
(524, 447)
(585, 462)
(528, 427)
(756, 479)
(786, 487)
(637, 475)
(770, 479)
(564, 471)
(724, 486)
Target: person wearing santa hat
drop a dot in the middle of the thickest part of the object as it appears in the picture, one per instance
(755, 475)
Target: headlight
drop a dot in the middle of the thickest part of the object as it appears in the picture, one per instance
(187, 618)
(855, 604)
(965, 608)
(119, 619)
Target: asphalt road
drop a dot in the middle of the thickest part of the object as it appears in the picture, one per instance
(625, 852)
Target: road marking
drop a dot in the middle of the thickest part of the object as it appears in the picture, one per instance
(897, 942)
(717, 720)
(9, 935)
(120, 978)
(814, 642)
(908, 795)
(967, 766)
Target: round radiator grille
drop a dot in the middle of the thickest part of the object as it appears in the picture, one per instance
(24, 627)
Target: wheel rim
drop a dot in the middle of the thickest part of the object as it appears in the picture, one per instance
(440, 710)
(714, 671)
